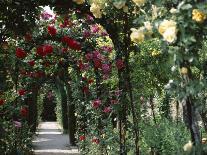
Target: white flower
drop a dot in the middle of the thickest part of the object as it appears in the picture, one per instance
(170, 35)
(96, 10)
(168, 29)
(137, 35)
(188, 147)
(148, 27)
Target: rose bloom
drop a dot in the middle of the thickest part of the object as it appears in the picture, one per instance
(120, 64)
(107, 110)
(17, 124)
(79, 1)
(168, 30)
(85, 90)
(52, 30)
(137, 35)
(20, 53)
(82, 138)
(188, 146)
(107, 48)
(46, 16)
(48, 49)
(170, 35)
(184, 71)
(89, 18)
(106, 68)
(96, 103)
(86, 34)
(95, 28)
(95, 140)
(21, 92)
(97, 63)
(73, 44)
(40, 51)
(31, 62)
(89, 56)
(139, 2)
(96, 10)
(166, 24)
(198, 16)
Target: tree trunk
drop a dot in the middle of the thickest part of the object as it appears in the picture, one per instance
(190, 120)
(32, 103)
(71, 116)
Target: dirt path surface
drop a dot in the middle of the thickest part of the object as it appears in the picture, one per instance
(51, 141)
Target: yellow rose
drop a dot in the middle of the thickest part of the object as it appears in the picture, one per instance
(79, 1)
(119, 4)
(165, 25)
(148, 28)
(170, 35)
(188, 147)
(168, 30)
(137, 36)
(96, 10)
(139, 2)
(126, 9)
(184, 71)
(198, 16)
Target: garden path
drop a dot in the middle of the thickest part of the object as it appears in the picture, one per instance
(51, 141)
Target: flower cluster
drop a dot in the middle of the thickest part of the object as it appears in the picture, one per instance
(168, 29)
(198, 16)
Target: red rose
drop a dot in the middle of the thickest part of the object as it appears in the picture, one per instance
(107, 110)
(44, 50)
(73, 44)
(1, 101)
(64, 50)
(82, 138)
(97, 63)
(85, 90)
(24, 111)
(48, 49)
(52, 30)
(96, 103)
(106, 68)
(40, 51)
(120, 64)
(89, 56)
(31, 63)
(95, 140)
(20, 53)
(21, 92)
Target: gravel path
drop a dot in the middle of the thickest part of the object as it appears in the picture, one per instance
(51, 141)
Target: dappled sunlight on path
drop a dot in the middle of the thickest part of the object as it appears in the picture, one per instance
(51, 141)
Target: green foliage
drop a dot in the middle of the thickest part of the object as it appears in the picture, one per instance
(165, 137)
